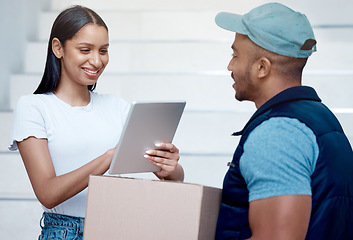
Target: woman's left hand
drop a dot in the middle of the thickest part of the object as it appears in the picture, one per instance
(166, 157)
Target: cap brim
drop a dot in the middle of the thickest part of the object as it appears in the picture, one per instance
(230, 21)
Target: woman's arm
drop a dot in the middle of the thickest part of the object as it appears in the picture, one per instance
(166, 157)
(51, 190)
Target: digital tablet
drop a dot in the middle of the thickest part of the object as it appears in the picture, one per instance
(147, 123)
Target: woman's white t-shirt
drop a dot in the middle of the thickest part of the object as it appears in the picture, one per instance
(76, 135)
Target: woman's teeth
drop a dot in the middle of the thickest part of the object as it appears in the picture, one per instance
(90, 71)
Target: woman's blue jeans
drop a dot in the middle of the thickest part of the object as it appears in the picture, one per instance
(59, 227)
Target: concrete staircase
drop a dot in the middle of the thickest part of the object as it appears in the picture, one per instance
(172, 50)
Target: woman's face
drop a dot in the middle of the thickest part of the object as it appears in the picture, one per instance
(85, 56)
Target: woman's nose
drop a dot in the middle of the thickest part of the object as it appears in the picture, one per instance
(95, 60)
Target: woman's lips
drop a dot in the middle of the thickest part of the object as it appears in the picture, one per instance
(91, 73)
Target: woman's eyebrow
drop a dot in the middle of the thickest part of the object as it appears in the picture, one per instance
(90, 44)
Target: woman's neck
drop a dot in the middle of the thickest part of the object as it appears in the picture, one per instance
(76, 97)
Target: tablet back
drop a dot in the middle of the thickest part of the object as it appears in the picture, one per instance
(148, 123)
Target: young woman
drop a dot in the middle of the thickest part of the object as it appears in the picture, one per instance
(65, 131)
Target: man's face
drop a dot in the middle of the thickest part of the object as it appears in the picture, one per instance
(240, 66)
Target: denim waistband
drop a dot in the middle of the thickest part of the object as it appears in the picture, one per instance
(53, 219)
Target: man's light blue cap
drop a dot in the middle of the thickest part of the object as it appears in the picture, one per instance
(273, 27)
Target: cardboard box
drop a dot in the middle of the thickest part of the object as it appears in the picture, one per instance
(137, 209)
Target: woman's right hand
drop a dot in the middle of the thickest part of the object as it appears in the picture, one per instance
(50, 189)
(109, 154)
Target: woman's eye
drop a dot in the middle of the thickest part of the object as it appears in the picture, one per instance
(85, 50)
(104, 51)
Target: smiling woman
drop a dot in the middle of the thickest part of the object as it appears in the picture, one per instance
(66, 132)
(66, 25)
(83, 60)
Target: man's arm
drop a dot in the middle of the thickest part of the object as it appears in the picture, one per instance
(282, 217)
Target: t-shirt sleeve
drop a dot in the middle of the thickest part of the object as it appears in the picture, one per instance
(279, 158)
(28, 121)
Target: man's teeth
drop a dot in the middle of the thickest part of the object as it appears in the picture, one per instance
(90, 71)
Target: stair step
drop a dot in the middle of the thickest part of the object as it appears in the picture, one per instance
(201, 169)
(189, 56)
(331, 87)
(24, 214)
(164, 57)
(180, 25)
(5, 131)
(206, 92)
(346, 120)
(339, 10)
(166, 5)
(151, 25)
(198, 132)
(202, 92)
(206, 170)
(14, 182)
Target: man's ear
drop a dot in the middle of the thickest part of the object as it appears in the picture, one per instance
(57, 48)
(263, 67)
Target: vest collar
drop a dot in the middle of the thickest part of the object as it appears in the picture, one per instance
(288, 95)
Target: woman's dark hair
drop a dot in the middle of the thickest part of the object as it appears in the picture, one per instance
(65, 26)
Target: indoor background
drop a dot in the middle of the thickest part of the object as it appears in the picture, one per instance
(161, 50)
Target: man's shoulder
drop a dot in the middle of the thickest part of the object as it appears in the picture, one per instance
(286, 125)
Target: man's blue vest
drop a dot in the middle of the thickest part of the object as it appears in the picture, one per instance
(331, 182)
